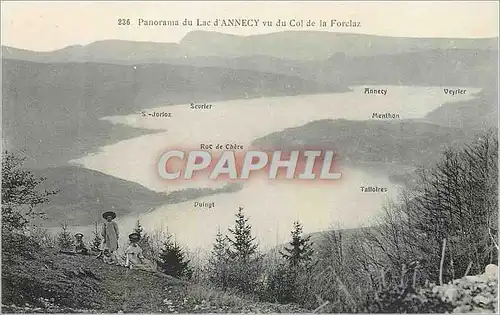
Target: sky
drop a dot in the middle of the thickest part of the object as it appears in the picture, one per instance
(45, 26)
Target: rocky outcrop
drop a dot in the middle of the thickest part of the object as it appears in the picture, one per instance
(472, 294)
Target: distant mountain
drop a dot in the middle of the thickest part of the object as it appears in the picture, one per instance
(293, 45)
(405, 142)
(463, 67)
(53, 111)
(317, 45)
(326, 57)
(460, 67)
(83, 195)
(108, 51)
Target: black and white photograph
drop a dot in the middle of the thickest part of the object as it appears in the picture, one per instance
(249, 157)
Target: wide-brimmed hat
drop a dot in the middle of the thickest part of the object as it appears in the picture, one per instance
(79, 235)
(134, 237)
(109, 213)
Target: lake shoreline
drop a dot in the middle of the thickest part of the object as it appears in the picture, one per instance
(364, 190)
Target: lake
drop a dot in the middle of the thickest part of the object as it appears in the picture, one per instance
(272, 206)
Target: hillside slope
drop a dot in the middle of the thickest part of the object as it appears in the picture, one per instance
(405, 142)
(460, 67)
(319, 56)
(83, 195)
(477, 114)
(464, 67)
(45, 281)
(53, 111)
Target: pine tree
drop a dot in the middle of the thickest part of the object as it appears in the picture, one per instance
(144, 241)
(97, 240)
(244, 265)
(282, 283)
(65, 239)
(172, 260)
(301, 250)
(218, 263)
(242, 246)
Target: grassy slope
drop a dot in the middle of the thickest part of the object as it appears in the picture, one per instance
(48, 281)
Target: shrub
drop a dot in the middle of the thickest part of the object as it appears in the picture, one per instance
(20, 193)
(95, 244)
(172, 260)
(405, 299)
(65, 240)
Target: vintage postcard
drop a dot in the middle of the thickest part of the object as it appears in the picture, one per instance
(249, 157)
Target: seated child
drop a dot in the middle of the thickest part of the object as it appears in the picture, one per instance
(135, 258)
(80, 247)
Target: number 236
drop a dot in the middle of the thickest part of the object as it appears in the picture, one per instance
(123, 21)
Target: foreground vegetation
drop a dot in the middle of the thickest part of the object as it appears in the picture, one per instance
(443, 230)
(42, 280)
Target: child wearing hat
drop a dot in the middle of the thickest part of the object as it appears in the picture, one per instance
(80, 247)
(135, 258)
(110, 234)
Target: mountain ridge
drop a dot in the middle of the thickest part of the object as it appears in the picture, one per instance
(294, 45)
